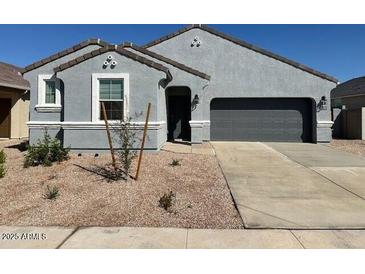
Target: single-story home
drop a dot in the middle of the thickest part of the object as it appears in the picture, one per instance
(348, 109)
(14, 102)
(203, 85)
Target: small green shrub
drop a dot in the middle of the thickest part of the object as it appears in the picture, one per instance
(51, 193)
(45, 152)
(2, 157)
(2, 163)
(167, 200)
(175, 162)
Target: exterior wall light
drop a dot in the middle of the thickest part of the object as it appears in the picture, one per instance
(196, 100)
(322, 105)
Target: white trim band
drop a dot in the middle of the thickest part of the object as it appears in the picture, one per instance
(91, 125)
(48, 108)
(324, 124)
(199, 124)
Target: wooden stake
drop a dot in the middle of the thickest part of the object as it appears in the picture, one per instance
(143, 140)
(109, 137)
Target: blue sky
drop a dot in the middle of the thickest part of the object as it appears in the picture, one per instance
(338, 50)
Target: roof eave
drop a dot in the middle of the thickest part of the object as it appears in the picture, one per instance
(246, 45)
(119, 50)
(63, 53)
(166, 60)
(2, 84)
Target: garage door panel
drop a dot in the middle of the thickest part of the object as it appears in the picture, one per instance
(225, 134)
(251, 119)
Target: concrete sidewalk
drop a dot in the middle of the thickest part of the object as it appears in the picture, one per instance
(176, 238)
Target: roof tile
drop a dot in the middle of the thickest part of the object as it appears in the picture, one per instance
(92, 41)
(351, 87)
(10, 76)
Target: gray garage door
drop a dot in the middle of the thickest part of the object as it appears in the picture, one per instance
(270, 120)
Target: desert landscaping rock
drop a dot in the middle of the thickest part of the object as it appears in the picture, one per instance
(353, 146)
(87, 199)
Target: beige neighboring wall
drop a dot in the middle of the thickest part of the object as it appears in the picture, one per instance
(19, 111)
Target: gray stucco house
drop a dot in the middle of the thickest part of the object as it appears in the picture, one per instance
(203, 85)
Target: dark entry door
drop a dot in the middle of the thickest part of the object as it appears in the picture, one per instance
(5, 108)
(179, 115)
(261, 119)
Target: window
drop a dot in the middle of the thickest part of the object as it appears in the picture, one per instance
(111, 93)
(112, 89)
(50, 92)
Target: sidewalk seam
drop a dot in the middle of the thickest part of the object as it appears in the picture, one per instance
(340, 186)
(295, 236)
(68, 237)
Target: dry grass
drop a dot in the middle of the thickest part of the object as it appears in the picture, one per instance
(353, 146)
(87, 199)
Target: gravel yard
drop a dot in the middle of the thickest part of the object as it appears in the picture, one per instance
(87, 199)
(352, 146)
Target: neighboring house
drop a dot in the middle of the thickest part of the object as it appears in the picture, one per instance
(348, 109)
(14, 102)
(202, 84)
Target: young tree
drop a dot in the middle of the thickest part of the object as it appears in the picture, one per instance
(126, 138)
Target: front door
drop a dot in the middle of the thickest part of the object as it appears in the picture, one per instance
(179, 115)
(5, 108)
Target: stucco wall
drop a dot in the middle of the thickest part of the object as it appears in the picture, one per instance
(337, 123)
(143, 85)
(32, 77)
(197, 86)
(19, 111)
(74, 125)
(143, 88)
(240, 72)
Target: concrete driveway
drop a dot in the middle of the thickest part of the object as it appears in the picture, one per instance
(288, 185)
